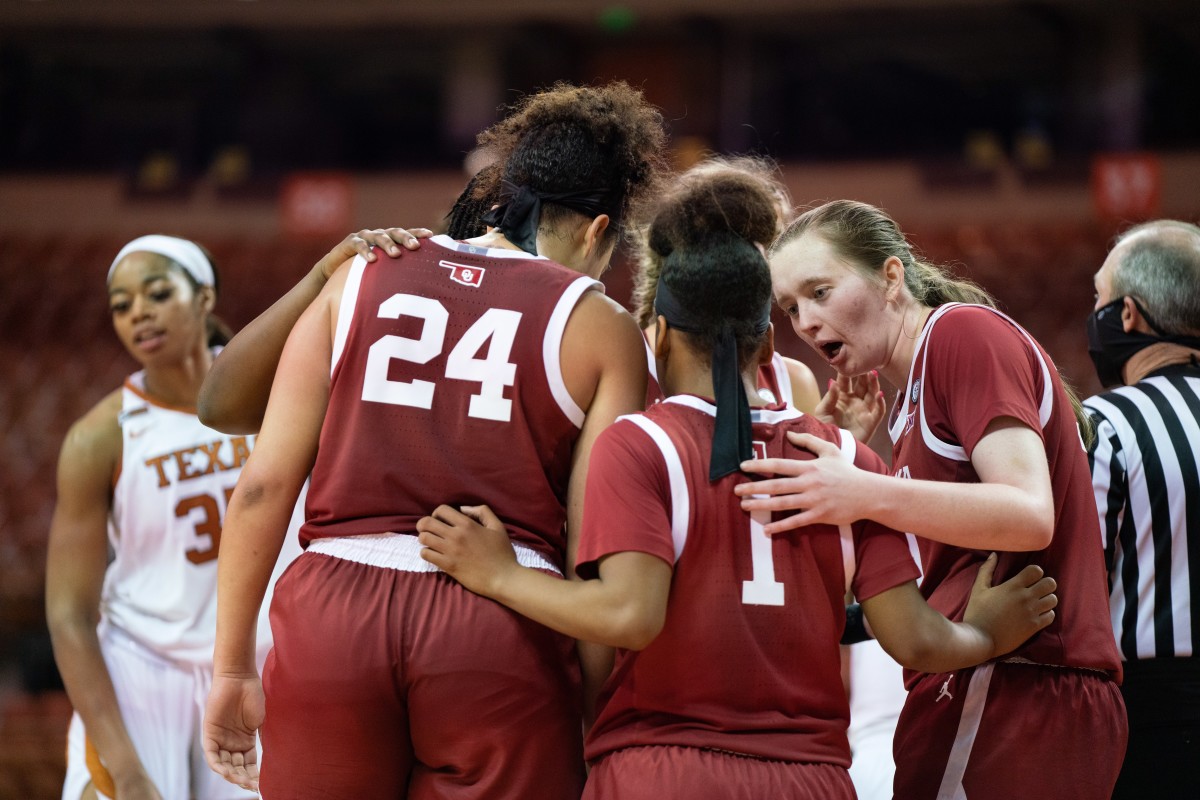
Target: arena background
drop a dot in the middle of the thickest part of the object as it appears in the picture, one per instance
(1010, 139)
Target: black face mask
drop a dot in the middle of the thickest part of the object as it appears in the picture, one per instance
(1110, 346)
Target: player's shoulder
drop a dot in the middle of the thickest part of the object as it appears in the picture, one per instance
(962, 318)
(963, 332)
(852, 449)
(97, 434)
(639, 441)
(800, 422)
(596, 317)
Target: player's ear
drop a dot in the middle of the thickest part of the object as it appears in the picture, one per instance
(593, 235)
(662, 337)
(206, 297)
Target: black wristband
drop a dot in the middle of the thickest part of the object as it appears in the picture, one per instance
(856, 626)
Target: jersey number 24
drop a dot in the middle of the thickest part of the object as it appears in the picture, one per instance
(496, 329)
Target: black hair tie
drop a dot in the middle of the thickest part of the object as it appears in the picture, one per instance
(732, 434)
(520, 211)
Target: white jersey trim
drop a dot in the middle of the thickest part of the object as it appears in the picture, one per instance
(402, 552)
(849, 561)
(346, 309)
(651, 362)
(442, 240)
(552, 347)
(964, 740)
(765, 416)
(680, 500)
(783, 379)
(936, 445)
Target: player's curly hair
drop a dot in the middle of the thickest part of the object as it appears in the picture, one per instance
(739, 195)
(574, 138)
(463, 221)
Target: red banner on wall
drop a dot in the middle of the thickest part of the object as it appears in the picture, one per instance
(1127, 186)
(317, 204)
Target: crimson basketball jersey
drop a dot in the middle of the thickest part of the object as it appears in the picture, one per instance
(748, 659)
(971, 365)
(446, 387)
(774, 383)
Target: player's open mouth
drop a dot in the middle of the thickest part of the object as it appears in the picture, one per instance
(831, 350)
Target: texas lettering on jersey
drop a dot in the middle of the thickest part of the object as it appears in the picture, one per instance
(205, 459)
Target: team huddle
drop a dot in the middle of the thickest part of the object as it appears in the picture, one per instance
(550, 550)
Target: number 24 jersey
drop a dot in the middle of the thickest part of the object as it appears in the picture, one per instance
(447, 387)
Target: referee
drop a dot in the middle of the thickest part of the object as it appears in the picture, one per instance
(1144, 338)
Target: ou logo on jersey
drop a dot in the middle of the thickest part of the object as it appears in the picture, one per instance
(464, 274)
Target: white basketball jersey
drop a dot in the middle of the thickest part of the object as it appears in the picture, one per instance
(168, 503)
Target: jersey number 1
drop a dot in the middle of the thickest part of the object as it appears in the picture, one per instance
(494, 373)
(762, 589)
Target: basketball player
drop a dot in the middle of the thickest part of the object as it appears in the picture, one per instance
(727, 682)
(742, 196)
(470, 371)
(986, 457)
(141, 475)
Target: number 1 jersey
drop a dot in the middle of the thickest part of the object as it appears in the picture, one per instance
(447, 387)
(748, 659)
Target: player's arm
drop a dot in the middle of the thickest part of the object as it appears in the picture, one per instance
(234, 396)
(255, 526)
(1010, 509)
(625, 607)
(604, 366)
(805, 394)
(77, 557)
(998, 619)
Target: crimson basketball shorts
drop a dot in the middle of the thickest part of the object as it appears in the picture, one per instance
(389, 683)
(1004, 730)
(659, 772)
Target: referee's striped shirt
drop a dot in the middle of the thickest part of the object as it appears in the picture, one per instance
(1146, 475)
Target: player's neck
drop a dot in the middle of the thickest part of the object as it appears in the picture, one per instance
(179, 384)
(493, 239)
(697, 379)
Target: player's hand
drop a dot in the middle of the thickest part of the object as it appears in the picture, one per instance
(856, 404)
(389, 240)
(469, 544)
(235, 711)
(825, 489)
(1013, 611)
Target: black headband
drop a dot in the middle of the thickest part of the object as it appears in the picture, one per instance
(520, 211)
(732, 435)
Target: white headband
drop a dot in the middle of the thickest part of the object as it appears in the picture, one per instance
(184, 253)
